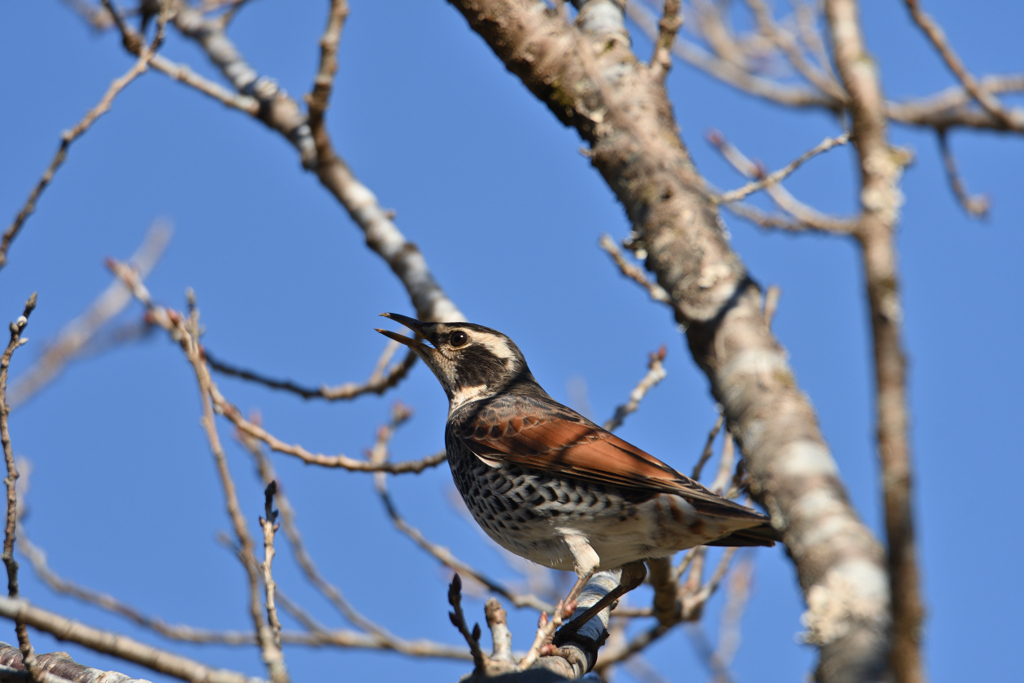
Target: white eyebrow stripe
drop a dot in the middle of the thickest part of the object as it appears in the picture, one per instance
(496, 345)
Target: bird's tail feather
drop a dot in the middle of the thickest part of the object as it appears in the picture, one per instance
(764, 534)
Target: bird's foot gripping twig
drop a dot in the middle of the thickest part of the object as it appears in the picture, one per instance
(632, 575)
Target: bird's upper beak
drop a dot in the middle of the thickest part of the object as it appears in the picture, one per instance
(413, 343)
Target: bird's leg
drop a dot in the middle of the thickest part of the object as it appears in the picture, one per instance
(585, 562)
(633, 574)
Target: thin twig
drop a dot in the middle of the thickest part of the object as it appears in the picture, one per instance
(97, 17)
(67, 138)
(808, 16)
(777, 176)
(281, 113)
(693, 604)
(786, 223)
(317, 637)
(458, 620)
(771, 303)
(656, 292)
(730, 73)
(270, 526)
(172, 322)
(804, 214)
(668, 27)
(270, 650)
(377, 384)
(786, 42)
(376, 635)
(655, 373)
(11, 481)
(713, 25)
(302, 556)
(319, 97)
(950, 108)
(708, 447)
(725, 464)
(737, 593)
(37, 558)
(976, 206)
(183, 74)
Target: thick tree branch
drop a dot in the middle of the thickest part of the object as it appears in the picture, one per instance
(602, 90)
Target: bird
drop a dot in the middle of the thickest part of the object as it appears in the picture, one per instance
(549, 485)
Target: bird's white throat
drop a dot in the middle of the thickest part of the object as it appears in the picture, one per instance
(465, 395)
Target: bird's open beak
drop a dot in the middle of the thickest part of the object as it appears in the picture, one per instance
(414, 325)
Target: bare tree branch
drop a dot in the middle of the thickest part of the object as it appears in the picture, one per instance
(118, 645)
(950, 108)
(378, 383)
(67, 138)
(281, 113)
(1010, 119)
(270, 648)
(976, 206)
(318, 98)
(880, 202)
(11, 482)
(947, 109)
(73, 338)
(789, 45)
(269, 525)
(655, 373)
(805, 215)
(733, 74)
(668, 27)
(55, 667)
(779, 175)
(632, 272)
(708, 448)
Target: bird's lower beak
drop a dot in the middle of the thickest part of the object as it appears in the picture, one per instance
(414, 325)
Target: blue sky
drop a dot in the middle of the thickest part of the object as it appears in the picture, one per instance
(508, 214)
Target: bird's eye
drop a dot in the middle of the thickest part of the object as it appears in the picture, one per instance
(458, 338)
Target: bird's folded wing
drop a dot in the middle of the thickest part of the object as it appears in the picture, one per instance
(555, 439)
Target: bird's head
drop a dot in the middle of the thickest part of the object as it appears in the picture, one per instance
(471, 361)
